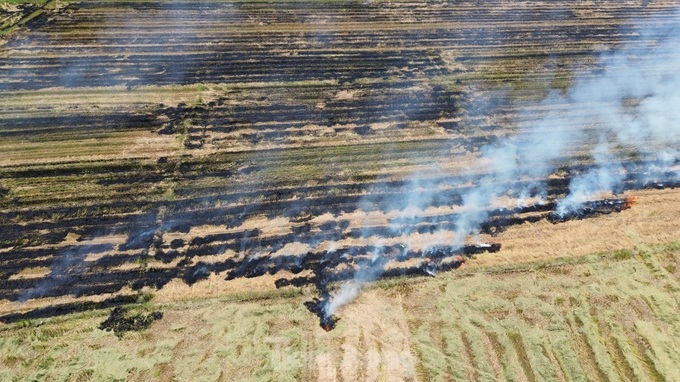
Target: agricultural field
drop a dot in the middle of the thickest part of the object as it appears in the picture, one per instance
(453, 190)
(596, 317)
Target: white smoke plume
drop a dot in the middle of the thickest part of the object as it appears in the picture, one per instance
(529, 156)
(603, 178)
(630, 106)
(347, 293)
(351, 289)
(639, 113)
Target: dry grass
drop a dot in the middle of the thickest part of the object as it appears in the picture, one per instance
(606, 315)
(652, 220)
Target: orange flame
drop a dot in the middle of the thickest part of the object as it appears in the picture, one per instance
(630, 201)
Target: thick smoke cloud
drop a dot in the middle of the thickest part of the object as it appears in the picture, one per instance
(639, 114)
(628, 109)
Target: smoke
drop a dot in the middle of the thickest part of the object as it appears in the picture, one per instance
(524, 157)
(638, 115)
(351, 290)
(347, 293)
(629, 108)
(67, 265)
(631, 105)
(606, 176)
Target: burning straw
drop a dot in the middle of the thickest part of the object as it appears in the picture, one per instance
(592, 208)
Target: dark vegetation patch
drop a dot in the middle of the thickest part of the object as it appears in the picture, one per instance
(121, 320)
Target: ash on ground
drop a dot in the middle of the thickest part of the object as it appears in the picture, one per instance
(120, 321)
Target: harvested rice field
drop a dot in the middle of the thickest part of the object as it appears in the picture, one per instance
(339, 190)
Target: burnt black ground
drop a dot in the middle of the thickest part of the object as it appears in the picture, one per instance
(400, 77)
